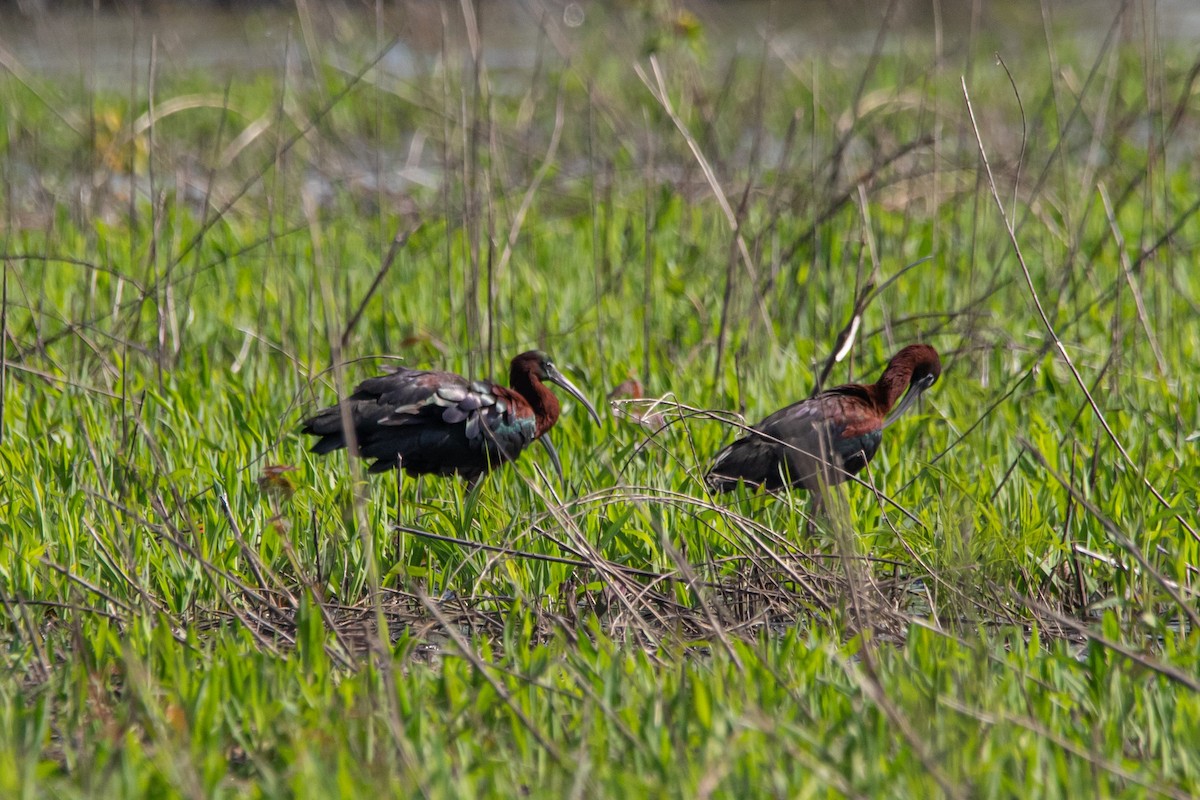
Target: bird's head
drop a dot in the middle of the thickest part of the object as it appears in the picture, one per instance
(923, 366)
(927, 367)
(534, 364)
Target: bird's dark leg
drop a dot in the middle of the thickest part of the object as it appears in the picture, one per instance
(418, 511)
(396, 542)
(399, 484)
(474, 481)
(816, 507)
(417, 498)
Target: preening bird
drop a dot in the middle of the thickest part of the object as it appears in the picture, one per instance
(823, 440)
(440, 423)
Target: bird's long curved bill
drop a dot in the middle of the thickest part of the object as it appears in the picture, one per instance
(546, 443)
(910, 397)
(557, 377)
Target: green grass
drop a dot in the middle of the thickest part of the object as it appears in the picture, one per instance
(1003, 608)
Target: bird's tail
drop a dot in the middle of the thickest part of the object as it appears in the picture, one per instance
(326, 424)
(744, 461)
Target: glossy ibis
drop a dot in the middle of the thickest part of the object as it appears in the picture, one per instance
(631, 389)
(443, 424)
(823, 440)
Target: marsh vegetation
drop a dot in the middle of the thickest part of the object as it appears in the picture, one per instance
(194, 260)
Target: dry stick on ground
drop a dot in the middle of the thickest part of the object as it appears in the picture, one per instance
(868, 679)
(1076, 565)
(619, 494)
(257, 567)
(1062, 350)
(76, 609)
(755, 532)
(531, 556)
(927, 571)
(713, 613)
(485, 670)
(171, 535)
(124, 570)
(742, 524)
(96, 590)
(342, 652)
(1168, 671)
(625, 586)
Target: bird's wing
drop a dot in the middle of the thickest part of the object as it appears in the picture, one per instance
(407, 388)
(428, 422)
(803, 425)
(838, 425)
(488, 413)
(788, 441)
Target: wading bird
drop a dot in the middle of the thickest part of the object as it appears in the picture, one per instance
(823, 440)
(631, 389)
(440, 423)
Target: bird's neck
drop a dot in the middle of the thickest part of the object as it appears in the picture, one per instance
(892, 384)
(543, 401)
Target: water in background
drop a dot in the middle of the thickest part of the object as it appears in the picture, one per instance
(105, 46)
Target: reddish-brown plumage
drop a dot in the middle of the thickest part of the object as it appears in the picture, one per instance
(631, 388)
(826, 438)
(916, 359)
(525, 388)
